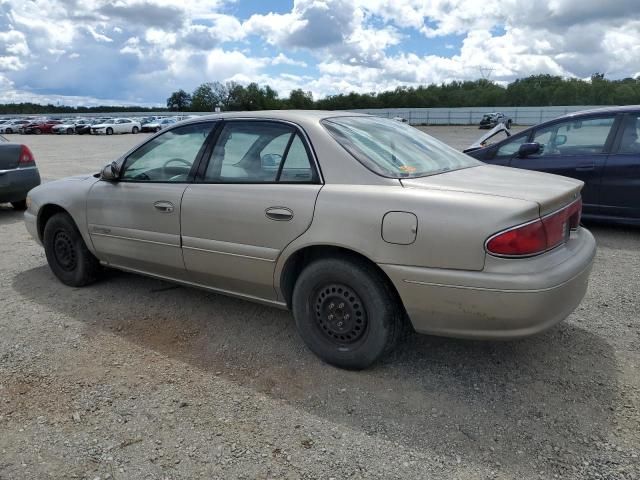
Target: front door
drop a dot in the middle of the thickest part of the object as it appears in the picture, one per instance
(134, 222)
(574, 148)
(256, 195)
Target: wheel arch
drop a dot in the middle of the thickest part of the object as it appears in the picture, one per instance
(45, 213)
(298, 260)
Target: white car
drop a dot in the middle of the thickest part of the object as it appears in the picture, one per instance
(13, 127)
(116, 125)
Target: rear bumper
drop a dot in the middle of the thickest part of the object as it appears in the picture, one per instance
(16, 183)
(496, 305)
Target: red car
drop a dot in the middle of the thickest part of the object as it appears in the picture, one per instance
(38, 127)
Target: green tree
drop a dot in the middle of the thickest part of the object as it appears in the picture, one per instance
(203, 98)
(300, 99)
(179, 100)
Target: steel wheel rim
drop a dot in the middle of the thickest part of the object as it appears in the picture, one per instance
(339, 314)
(64, 251)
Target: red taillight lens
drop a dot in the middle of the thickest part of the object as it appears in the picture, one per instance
(539, 236)
(26, 157)
(526, 240)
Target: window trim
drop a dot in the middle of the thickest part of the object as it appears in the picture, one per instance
(194, 167)
(316, 172)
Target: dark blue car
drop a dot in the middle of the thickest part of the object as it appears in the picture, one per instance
(599, 147)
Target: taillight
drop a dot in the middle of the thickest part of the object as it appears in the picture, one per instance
(536, 237)
(26, 157)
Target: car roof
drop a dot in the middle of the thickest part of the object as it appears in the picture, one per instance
(296, 116)
(604, 110)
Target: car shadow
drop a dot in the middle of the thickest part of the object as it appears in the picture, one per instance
(9, 215)
(554, 390)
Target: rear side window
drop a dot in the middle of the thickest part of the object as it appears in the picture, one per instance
(259, 152)
(629, 141)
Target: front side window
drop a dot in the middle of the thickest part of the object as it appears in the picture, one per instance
(511, 147)
(629, 142)
(393, 149)
(574, 137)
(168, 157)
(259, 152)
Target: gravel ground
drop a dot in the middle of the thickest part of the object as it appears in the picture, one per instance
(134, 378)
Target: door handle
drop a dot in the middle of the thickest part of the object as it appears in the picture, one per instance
(165, 207)
(279, 213)
(584, 167)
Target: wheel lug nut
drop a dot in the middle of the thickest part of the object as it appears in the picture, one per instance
(331, 306)
(341, 305)
(346, 316)
(330, 317)
(340, 324)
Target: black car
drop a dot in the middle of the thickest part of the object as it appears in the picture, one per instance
(490, 120)
(599, 147)
(18, 173)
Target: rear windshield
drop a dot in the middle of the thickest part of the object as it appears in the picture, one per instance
(393, 149)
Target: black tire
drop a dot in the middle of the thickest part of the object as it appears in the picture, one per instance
(367, 316)
(135, 130)
(69, 131)
(67, 254)
(20, 205)
(37, 131)
(109, 131)
(8, 130)
(508, 124)
(157, 129)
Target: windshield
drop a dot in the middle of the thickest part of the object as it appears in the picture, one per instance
(393, 149)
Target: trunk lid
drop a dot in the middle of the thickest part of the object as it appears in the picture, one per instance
(9, 155)
(550, 192)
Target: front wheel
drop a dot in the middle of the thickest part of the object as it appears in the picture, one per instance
(8, 130)
(508, 124)
(109, 131)
(37, 131)
(346, 312)
(67, 254)
(69, 131)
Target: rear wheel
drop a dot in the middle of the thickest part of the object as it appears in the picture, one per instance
(37, 131)
(346, 313)
(67, 254)
(135, 130)
(69, 131)
(20, 205)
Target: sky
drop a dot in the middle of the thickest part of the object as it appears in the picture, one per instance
(87, 52)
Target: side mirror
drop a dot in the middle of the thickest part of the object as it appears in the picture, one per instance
(527, 149)
(110, 172)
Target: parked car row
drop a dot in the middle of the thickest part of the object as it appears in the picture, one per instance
(94, 126)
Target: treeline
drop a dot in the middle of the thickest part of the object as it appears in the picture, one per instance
(534, 91)
(28, 108)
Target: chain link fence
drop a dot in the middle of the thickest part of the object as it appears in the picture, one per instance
(473, 115)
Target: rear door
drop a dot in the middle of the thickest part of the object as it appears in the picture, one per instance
(620, 188)
(576, 148)
(253, 196)
(135, 222)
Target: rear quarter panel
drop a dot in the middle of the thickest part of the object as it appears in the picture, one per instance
(452, 226)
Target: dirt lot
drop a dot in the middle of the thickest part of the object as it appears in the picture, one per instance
(134, 378)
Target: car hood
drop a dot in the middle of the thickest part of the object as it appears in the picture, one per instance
(550, 192)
